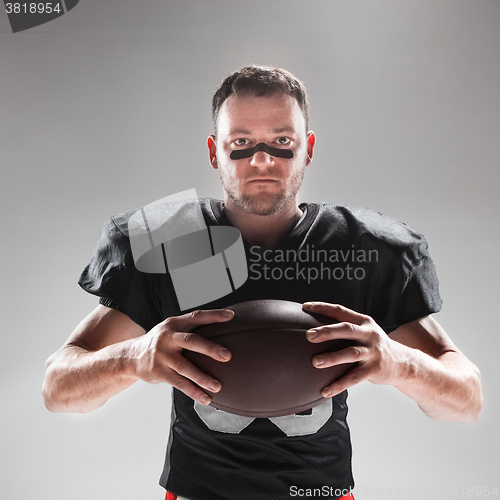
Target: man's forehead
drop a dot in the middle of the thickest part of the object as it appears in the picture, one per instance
(277, 113)
(236, 129)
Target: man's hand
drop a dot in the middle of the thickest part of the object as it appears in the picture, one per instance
(379, 358)
(418, 358)
(157, 356)
(108, 352)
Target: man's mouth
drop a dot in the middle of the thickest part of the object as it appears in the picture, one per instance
(263, 179)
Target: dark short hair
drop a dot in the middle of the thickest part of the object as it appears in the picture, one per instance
(261, 81)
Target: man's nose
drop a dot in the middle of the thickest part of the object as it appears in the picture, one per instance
(262, 158)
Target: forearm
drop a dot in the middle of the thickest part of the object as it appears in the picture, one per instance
(79, 381)
(446, 388)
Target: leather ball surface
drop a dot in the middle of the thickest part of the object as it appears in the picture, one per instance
(270, 373)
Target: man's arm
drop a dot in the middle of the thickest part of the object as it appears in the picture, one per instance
(108, 352)
(418, 358)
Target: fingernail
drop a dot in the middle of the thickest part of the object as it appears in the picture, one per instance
(225, 354)
(205, 400)
(312, 334)
(228, 313)
(326, 394)
(214, 386)
(308, 304)
(318, 361)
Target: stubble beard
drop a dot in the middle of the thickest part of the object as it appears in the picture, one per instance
(263, 203)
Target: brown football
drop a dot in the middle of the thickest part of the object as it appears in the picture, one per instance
(270, 373)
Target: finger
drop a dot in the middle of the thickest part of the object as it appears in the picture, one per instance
(190, 321)
(336, 311)
(188, 388)
(347, 381)
(186, 369)
(351, 354)
(194, 342)
(337, 331)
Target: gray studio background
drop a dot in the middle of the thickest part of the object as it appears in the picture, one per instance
(108, 108)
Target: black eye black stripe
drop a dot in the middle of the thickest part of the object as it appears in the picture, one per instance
(239, 154)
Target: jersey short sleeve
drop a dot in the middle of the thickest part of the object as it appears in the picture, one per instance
(112, 276)
(394, 278)
(408, 288)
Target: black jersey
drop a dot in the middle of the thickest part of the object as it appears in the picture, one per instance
(351, 256)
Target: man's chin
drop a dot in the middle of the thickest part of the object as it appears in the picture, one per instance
(262, 205)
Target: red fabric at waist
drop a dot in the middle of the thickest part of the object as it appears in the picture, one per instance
(171, 496)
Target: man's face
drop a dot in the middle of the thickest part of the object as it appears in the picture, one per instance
(261, 184)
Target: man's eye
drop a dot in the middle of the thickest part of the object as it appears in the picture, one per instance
(283, 141)
(241, 142)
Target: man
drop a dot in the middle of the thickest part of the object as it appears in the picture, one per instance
(261, 147)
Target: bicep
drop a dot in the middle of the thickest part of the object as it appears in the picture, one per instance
(102, 327)
(426, 335)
